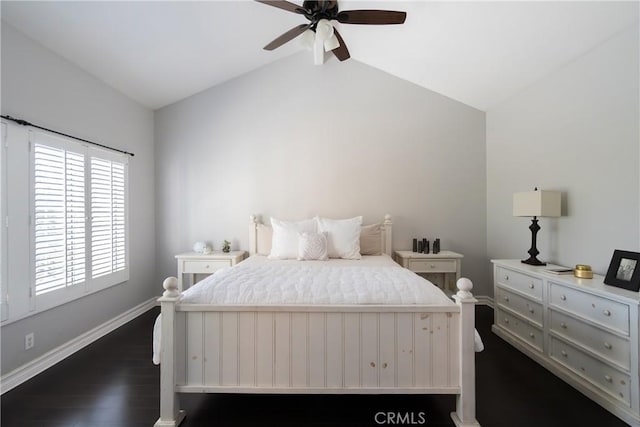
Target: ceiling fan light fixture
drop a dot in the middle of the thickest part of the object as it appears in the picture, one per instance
(324, 30)
(331, 43)
(308, 39)
(320, 14)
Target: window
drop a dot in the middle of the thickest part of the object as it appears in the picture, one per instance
(79, 219)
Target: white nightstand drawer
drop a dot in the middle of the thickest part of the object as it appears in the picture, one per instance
(521, 282)
(433, 265)
(604, 343)
(530, 334)
(205, 267)
(521, 305)
(603, 311)
(607, 378)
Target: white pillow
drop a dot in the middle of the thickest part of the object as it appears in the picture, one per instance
(284, 243)
(343, 236)
(312, 246)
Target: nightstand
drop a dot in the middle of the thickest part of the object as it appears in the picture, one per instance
(193, 263)
(443, 268)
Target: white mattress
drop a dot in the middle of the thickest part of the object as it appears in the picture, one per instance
(370, 280)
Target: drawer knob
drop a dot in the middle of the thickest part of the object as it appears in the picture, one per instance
(506, 320)
(608, 378)
(531, 285)
(564, 353)
(531, 335)
(206, 266)
(506, 277)
(563, 297)
(432, 266)
(606, 312)
(506, 299)
(607, 345)
(563, 325)
(531, 310)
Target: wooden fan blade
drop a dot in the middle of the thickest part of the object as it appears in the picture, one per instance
(285, 5)
(341, 52)
(289, 35)
(371, 17)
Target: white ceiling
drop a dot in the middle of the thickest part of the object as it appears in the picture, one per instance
(479, 53)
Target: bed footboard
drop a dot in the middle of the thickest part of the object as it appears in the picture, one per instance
(317, 349)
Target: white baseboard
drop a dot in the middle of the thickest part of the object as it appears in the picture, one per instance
(47, 360)
(484, 300)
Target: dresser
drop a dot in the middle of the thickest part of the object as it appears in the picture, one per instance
(582, 330)
(443, 268)
(193, 263)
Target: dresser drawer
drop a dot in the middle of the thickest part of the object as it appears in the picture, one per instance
(603, 311)
(605, 377)
(520, 282)
(206, 266)
(435, 266)
(530, 334)
(519, 304)
(601, 342)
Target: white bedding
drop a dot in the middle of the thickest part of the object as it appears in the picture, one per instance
(371, 280)
(262, 281)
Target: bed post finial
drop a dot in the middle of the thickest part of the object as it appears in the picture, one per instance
(387, 219)
(170, 286)
(464, 285)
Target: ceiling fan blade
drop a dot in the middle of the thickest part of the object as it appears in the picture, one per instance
(371, 17)
(289, 35)
(281, 4)
(341, 52)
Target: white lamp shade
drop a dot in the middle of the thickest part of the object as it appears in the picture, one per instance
(537, 203)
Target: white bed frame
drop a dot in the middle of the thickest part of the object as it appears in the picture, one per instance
(318, 349)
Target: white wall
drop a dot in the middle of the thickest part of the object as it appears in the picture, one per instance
(294, 140)
(576, 131)
(45, 89)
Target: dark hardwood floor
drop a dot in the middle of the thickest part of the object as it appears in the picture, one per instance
(112, 383)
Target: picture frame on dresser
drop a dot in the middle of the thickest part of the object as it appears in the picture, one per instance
(624, 270)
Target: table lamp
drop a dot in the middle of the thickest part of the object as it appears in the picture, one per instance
(536, 204)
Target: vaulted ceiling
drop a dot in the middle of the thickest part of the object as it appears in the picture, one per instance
(479, 53)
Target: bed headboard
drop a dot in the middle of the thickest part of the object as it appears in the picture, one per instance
(258, 231)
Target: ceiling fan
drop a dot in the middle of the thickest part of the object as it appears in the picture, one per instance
(320, 13)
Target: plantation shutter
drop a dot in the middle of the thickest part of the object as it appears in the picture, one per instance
(79, 219)
(59, 218)
(108, 249)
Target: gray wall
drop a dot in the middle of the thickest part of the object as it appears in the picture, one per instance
(292, 140)
(575, 131)
(45, 89)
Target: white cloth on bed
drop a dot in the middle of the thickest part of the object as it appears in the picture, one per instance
(262, 281)
(259, 281)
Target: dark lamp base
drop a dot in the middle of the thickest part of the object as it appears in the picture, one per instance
(533, 261)
(533, 252)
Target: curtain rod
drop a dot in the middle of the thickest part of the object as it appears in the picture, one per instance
(26, 123)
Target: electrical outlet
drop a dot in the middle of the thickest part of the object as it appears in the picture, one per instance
(29, 341)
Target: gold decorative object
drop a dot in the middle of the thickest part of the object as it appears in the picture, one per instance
(583, 271)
